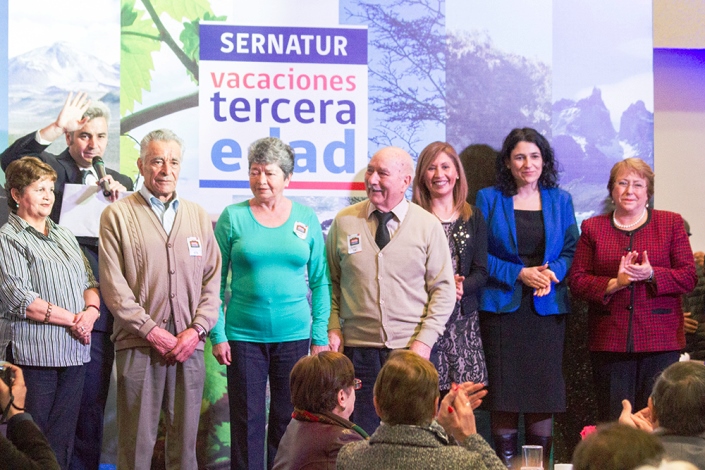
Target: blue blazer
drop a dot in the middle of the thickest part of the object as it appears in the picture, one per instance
(503, 290)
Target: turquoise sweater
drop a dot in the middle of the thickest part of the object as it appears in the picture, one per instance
(269, 291)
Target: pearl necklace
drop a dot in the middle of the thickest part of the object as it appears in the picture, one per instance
(614, 219)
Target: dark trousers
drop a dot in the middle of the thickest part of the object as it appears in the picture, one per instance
(630, 376)
(252, 364)
(53, 398)
(367, 362)
(89, 431)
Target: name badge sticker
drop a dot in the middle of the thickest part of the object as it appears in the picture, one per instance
(301, 230)
(354, 243)
(194, 246)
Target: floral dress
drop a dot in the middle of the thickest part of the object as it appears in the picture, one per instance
(458, 354)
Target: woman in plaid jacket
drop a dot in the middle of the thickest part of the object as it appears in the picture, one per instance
(632, 266)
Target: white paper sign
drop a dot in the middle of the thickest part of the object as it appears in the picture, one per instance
(81, 209)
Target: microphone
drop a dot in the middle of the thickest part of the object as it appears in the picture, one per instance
(99, 167)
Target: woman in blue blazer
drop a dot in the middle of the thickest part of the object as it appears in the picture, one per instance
(532, 235)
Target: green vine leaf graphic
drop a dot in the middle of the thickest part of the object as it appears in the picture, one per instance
(179, 9)
(129, 153)
(139, 39)
(216, 381)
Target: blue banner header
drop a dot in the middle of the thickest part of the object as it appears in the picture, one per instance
(283, 44)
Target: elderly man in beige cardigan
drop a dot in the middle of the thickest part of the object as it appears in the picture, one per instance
(160, 273)
(391, 274)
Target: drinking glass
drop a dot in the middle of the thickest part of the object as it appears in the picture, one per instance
(533, 457)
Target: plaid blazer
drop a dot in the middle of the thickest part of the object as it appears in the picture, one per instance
(646, 316)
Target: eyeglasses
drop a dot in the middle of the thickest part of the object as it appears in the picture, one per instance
(357, 384)
(636, 185)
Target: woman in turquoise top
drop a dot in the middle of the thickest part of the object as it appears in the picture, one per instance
(270, 244)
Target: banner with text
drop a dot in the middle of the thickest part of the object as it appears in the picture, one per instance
(307, 86)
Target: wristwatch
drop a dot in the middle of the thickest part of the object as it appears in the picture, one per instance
(201, 331)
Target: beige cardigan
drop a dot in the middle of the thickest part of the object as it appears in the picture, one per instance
(146, 276)
(390, 298)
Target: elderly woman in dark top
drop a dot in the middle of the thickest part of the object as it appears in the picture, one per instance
(48, 303)
(323, 393)
(412, 434)
(440, 188)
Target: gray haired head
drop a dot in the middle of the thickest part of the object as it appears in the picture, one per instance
(271, 150)
(160, 135)
(97, 109)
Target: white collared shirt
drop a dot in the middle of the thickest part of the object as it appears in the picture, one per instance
(166, 213)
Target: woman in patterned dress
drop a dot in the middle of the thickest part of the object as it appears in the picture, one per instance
(440, 187)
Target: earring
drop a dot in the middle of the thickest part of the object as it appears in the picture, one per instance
(612, 201)
(457, 177)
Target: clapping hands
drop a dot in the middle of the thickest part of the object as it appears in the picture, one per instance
(631, 271)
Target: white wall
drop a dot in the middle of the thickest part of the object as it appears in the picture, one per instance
(679, 117)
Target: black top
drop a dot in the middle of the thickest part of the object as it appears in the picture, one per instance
(531, 240)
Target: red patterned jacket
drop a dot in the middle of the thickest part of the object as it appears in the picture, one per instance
(647, 316)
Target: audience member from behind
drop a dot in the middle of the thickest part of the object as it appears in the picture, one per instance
(632, 266)
(25, 446)
(323, 394)
(406, 399)
(616, 446)
(675, 412)
(48, 304)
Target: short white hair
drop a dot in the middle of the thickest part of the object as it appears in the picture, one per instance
(160, 135)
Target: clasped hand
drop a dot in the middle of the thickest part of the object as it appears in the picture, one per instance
(83, 325)
(539, 278)
(172, 348)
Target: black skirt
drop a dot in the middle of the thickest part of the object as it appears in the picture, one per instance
(524, 356)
